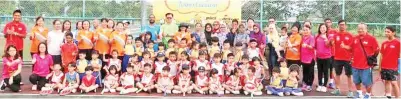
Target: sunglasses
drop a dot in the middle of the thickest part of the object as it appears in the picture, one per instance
(169, 17)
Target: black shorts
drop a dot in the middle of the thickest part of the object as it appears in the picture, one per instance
(340, 64)
(389, 75)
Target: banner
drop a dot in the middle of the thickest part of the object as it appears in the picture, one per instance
(198, 11)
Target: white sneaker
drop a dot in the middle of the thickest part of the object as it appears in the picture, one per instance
(269, 92)
(168, 91)
(145, 89)
(257, 93)
(112, 90)
(227, 92)
(74, 90)
(280, 94)
(176, 91)
(323, 89)
(105, 90)
(319, 88)
(298, 93)
(246, 92)
(235, 92)
(34, 87)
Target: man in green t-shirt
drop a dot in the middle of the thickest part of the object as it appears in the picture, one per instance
(168, 29)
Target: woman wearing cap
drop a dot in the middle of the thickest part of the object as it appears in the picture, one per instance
(182, 33)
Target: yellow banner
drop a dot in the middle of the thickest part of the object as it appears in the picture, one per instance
(198, 11)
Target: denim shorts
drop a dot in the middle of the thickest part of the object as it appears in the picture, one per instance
(363, 76)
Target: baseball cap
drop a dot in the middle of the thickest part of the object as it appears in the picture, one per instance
(125, 21)
(201, 69)
(160, 55)
(185, 67)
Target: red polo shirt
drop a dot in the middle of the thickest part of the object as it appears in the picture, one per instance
(359, 58)
(342, 53)
(18, 27)
(391, 51)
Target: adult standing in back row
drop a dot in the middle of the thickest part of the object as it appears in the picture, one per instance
(15, 32)
(168, 29)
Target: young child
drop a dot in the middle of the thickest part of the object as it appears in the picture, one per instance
(201, 81)
(146, 80)
(88, 82)
(161, 48)
(71, 80)
(291, 87)
(113, 61)
(229, 66)
(215, 83)
(127, 81)
(54, 80)
(201, 62)
(203, 48)
(260, 69)
(149, 48)
(111, 80)
(165, 81)
(218, 65)
(146, 59)
(252, 85)
(238, 52)
(244, 64)
(276, 85)
(183, 47)
(284, 71)
(134, 61)
(139, 47)
(171, 44)
(194, 52)
(129, 50)
(82, 63)
(69, 52)
(226, 50)
(183, 60)
(172, 63)
(253, 50)
(159, 64)
(215, 48)
(283, 41)
(184, 82)
(96, 63)
(233, 84)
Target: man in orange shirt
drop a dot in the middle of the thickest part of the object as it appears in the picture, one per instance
(15, 32)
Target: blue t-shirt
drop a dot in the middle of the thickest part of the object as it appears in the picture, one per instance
(154, 30)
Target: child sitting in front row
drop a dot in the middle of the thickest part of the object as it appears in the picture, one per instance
(111, 80)
(276, 85)
(145, 82)
(82, 63)
(201, 81)
(88, 82)
(127, 81)
(252, 85)
(184, 82)
(291, 87)
(233, 84)
(55, 82)
(215, 83)
(165, 81)
(71, 80)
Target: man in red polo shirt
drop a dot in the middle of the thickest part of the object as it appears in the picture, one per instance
(363, 45)
(15, 32)
(390, 49)
(342, 44)
(331, 32)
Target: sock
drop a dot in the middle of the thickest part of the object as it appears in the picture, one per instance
(359, 91)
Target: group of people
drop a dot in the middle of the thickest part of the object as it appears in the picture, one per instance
(219, 58)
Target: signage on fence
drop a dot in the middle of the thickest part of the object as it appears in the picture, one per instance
(198, 11)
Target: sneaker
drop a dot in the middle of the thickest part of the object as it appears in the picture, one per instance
(336, 92)
(280, 94)
(366, 96)
(350, 94)
(269, 92)
(2, 86)
(34, 87)
(112, 90)
(319, 89)
(65, 92)
(74, 90)
(323, 89)
(297, 93)
(246, 92)
(235, 92)
(176, 91)
(227, 92)
(308, 88)
(123, 92)
(303, 87)
(332, 86)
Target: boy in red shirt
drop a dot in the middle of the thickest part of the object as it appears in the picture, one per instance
(88, 82)
(343, 41)
(390, 49)
(68, 51)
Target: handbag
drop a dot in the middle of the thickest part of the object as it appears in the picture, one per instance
(372, 60)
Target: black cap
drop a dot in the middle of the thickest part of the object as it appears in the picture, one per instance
(160, 55)
(201, 68)
(184, 25)
(185, 67)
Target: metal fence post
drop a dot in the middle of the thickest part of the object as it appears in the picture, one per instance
(143, 13)
(261, 13)
(83, 8)
(343, 10)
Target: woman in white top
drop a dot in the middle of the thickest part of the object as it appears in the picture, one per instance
(54, 41)
(273, 43)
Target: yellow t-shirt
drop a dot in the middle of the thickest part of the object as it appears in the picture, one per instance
(238, 55)
(213, 50)
(225, 53)
(284, 72)
(169, 50)
(152, 52)
(292, 83)
(129, 49)
(81, 65)
(139, 51)
(276, 82)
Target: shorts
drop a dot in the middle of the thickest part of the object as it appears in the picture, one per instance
(363, 76)
(389, 75)
(340, 64)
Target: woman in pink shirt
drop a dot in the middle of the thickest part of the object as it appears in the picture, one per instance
(307, 58)
(323, 51)
(42, 62)
(12, 64)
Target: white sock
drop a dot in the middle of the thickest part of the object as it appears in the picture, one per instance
(359, 91)
(331, 80)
